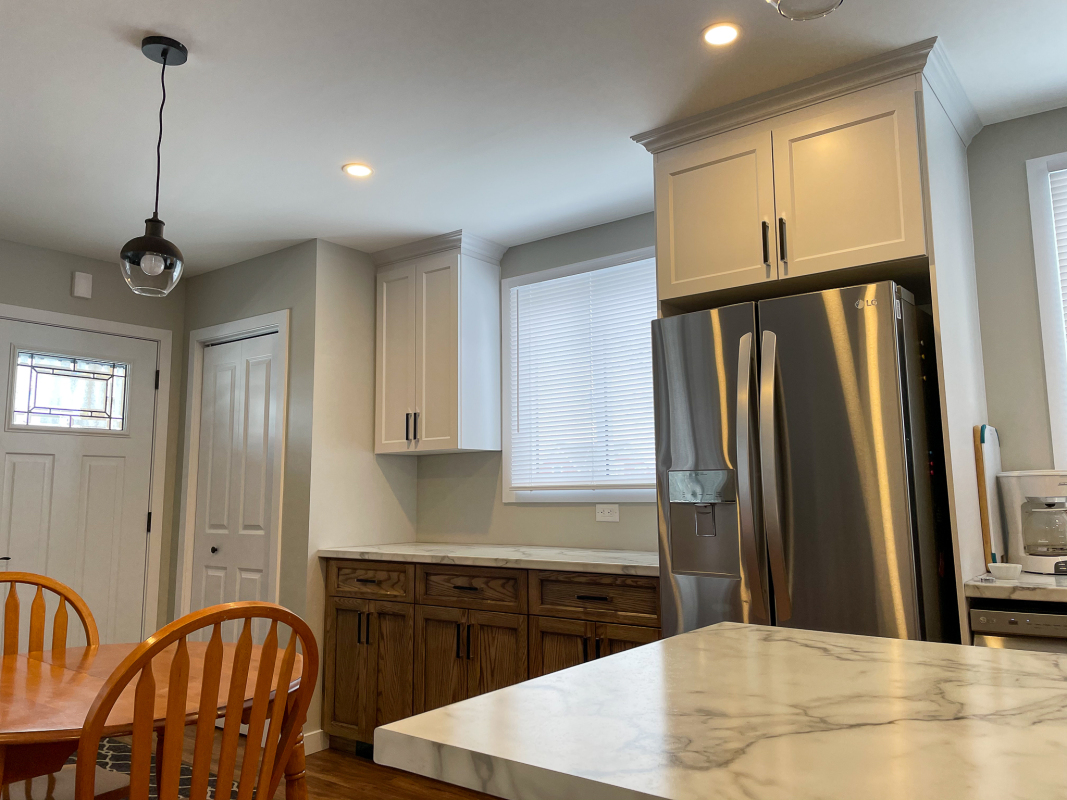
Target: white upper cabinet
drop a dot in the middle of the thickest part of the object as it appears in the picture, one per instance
(438, 346)
(847, 183)
(715, 212)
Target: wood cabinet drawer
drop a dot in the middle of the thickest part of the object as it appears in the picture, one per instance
(628, 599)
(471, 587)
(373, 580)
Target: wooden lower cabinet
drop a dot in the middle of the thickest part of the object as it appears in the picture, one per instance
(556, 644)
(461, 653)
(368, 666)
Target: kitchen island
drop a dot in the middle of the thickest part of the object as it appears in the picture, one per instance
(739, 711)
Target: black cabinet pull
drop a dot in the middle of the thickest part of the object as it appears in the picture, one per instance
(468, 642)
(600, 598)
(585, 649)
(598, 647)
(359, 627)
(5, 558)
(782, 250)
(459, 633)
(766, 243)
(415, 426)
(366, 580)
(465, 588)
(407, 427)
(366, 636)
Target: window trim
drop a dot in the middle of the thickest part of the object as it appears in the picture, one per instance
(1049, 300)
(606, 495)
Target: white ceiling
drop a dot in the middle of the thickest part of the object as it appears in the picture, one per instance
(510, 118)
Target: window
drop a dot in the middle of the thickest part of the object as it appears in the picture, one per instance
(578, 382)
(1047, 178)
(53, 392)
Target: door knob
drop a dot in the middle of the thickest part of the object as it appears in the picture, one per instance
(214, 550)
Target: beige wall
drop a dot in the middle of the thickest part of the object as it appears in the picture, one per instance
(276, 281)
(36, 278)
(459, 495)
(1007, 285)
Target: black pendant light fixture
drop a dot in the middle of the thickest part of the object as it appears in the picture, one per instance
(150, 264)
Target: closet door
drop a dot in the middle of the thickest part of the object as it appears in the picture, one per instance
(436, 424)
(715, 214)
(847, 184)
(395, 361)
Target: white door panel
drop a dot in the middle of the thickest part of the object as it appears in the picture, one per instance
(395, 361)
(75, 501)
(234, 557)
(437, 353)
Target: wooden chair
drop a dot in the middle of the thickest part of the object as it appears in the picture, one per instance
(275, 707)
(67, 597)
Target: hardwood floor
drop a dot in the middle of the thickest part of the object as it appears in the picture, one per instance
(337, 775)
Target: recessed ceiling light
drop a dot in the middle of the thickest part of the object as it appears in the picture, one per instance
(721, 33)
(357, 170)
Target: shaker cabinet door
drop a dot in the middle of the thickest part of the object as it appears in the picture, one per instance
(497, 646)
(390, 634)
(440, 657)
(848, 189)
(348, 677)
(395, 361)
(612, 639)
(556, 644)
(715, 214)
(437, 352)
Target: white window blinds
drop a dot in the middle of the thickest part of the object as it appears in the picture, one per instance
(581, 380)
(1058, 184)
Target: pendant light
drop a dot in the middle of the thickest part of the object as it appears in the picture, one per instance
(150, 264)
(803, 10)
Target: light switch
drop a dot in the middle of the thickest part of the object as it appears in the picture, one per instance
(607, 513)
(82, 285)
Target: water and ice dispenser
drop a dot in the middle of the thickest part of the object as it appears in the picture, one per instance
(704, 532)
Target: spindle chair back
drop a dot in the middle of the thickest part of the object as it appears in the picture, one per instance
(38, 622)
(279, 704)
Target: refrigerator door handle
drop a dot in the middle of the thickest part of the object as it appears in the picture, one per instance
(746, 402)
(772, 512)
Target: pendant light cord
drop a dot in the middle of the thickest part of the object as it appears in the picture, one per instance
(159, 142)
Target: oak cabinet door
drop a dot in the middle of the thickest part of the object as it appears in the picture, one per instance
(348, 679)
(390, 634)
(556, 644)
(440, 657)
(437, 352)
(612, 639)
(497, 651)
(395, 361)
(715, 214)
(847, 183)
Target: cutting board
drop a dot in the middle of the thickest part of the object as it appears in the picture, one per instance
(987, 459)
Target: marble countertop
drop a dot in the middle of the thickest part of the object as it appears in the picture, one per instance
(567, 559)
(1047, 588)
(736, 712)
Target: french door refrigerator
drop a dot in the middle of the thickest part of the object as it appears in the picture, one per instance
(799, 466)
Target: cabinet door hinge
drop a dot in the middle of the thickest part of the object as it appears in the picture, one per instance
(149, 528)
(157, 380)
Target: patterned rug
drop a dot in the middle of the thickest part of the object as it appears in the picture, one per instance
(114, 755)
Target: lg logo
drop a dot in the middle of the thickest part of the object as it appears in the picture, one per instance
(862, 303)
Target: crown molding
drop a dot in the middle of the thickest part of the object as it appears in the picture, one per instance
(467, 243)
(910, 60)
(946, 85)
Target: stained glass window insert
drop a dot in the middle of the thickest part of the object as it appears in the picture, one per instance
(54, 391)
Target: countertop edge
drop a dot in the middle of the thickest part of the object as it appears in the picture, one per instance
(1015, 590)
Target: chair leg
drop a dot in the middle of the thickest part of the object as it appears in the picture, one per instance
(296, 787)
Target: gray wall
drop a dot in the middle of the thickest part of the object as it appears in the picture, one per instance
(459, 495)
(1007, 284)
(33, 277)
(276, 281)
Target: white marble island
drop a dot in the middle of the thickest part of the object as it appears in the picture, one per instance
(736, 711)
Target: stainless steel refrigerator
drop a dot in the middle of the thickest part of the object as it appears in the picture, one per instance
(799, 466)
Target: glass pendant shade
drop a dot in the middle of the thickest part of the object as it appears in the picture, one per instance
(151, 265)
(801, 10)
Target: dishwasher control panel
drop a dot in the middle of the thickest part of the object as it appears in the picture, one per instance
(1011, 623)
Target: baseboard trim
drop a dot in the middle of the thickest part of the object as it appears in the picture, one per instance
(315, 741)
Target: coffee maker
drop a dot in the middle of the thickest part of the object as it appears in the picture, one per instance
(1034, 511)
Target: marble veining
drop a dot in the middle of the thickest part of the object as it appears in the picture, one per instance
(743, 712)
(567, 559)
(1030, 586)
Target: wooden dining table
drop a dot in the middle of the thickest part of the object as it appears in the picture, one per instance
(45, 696)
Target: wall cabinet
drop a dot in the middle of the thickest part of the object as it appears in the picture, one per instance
(831, 186)
(404, 638)
(438, 346)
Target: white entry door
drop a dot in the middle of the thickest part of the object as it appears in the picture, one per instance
(234, 549)
(76, 450)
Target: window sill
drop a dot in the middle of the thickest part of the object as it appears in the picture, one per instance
(580, 496)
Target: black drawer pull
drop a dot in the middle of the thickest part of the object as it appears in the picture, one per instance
(600, 598)
(366, 580)
(466, 588)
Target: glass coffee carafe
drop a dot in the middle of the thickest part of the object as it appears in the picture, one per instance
(1045, 526)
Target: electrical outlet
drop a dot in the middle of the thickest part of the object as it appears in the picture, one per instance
(607, 513)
